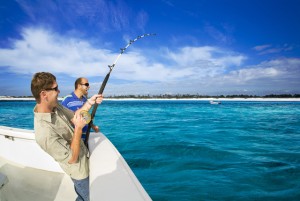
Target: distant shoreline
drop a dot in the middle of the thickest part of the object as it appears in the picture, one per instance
(174, 99)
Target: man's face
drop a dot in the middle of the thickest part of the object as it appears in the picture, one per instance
(52, 95)
(83, 86)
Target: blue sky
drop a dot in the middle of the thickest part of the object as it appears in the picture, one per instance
(206, 47)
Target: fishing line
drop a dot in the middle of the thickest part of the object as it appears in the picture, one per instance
(111, 67)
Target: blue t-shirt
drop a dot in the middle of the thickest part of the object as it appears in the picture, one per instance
(72, 102)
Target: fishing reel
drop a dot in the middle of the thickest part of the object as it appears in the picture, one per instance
(86, 116)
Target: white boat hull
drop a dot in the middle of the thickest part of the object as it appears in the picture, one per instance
(33, 175)
(215, 102)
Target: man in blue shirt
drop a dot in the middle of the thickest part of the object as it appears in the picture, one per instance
(77, 98)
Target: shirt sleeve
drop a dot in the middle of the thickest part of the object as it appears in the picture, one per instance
(65, 102)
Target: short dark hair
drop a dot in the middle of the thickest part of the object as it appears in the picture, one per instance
(78, 82)
(40, 82)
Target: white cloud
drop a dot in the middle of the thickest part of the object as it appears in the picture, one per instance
(261, 47)
(185, 70)
(142, 19)
(222, 34)
(270, 49)
(275, 76)
(245, 75)
(97, 15)
(42, 50)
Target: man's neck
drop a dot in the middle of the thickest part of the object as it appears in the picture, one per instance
(43, 108)
(78, 94)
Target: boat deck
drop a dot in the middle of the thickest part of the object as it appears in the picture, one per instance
(34, 175)
(29, 184)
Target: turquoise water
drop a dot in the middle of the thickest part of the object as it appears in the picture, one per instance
(191, 150)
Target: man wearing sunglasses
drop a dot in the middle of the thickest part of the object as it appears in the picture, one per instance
(77, 99)
(58, 131)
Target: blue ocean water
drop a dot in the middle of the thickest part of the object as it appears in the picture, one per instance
(191, 150)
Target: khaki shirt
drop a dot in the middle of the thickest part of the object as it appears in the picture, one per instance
(54, 132)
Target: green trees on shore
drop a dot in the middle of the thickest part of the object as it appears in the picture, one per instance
(186, 96)
(183, 96)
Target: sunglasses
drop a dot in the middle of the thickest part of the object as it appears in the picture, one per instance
(50, 89)
(86, 84)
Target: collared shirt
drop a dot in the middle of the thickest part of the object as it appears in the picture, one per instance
(53, 133)
(74, 103)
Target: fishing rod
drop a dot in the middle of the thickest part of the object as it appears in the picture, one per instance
(111, 67)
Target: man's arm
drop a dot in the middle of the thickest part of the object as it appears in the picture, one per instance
(90, 102)
(79, 123)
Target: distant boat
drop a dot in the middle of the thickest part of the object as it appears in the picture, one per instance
(28, 173)
(214, 102)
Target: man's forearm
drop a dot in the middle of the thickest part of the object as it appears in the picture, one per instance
(91, 101)
(86, 106)
(75, 145)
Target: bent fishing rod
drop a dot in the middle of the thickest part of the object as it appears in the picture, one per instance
(111, 67)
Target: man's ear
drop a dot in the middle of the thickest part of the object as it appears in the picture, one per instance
(43, 95)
